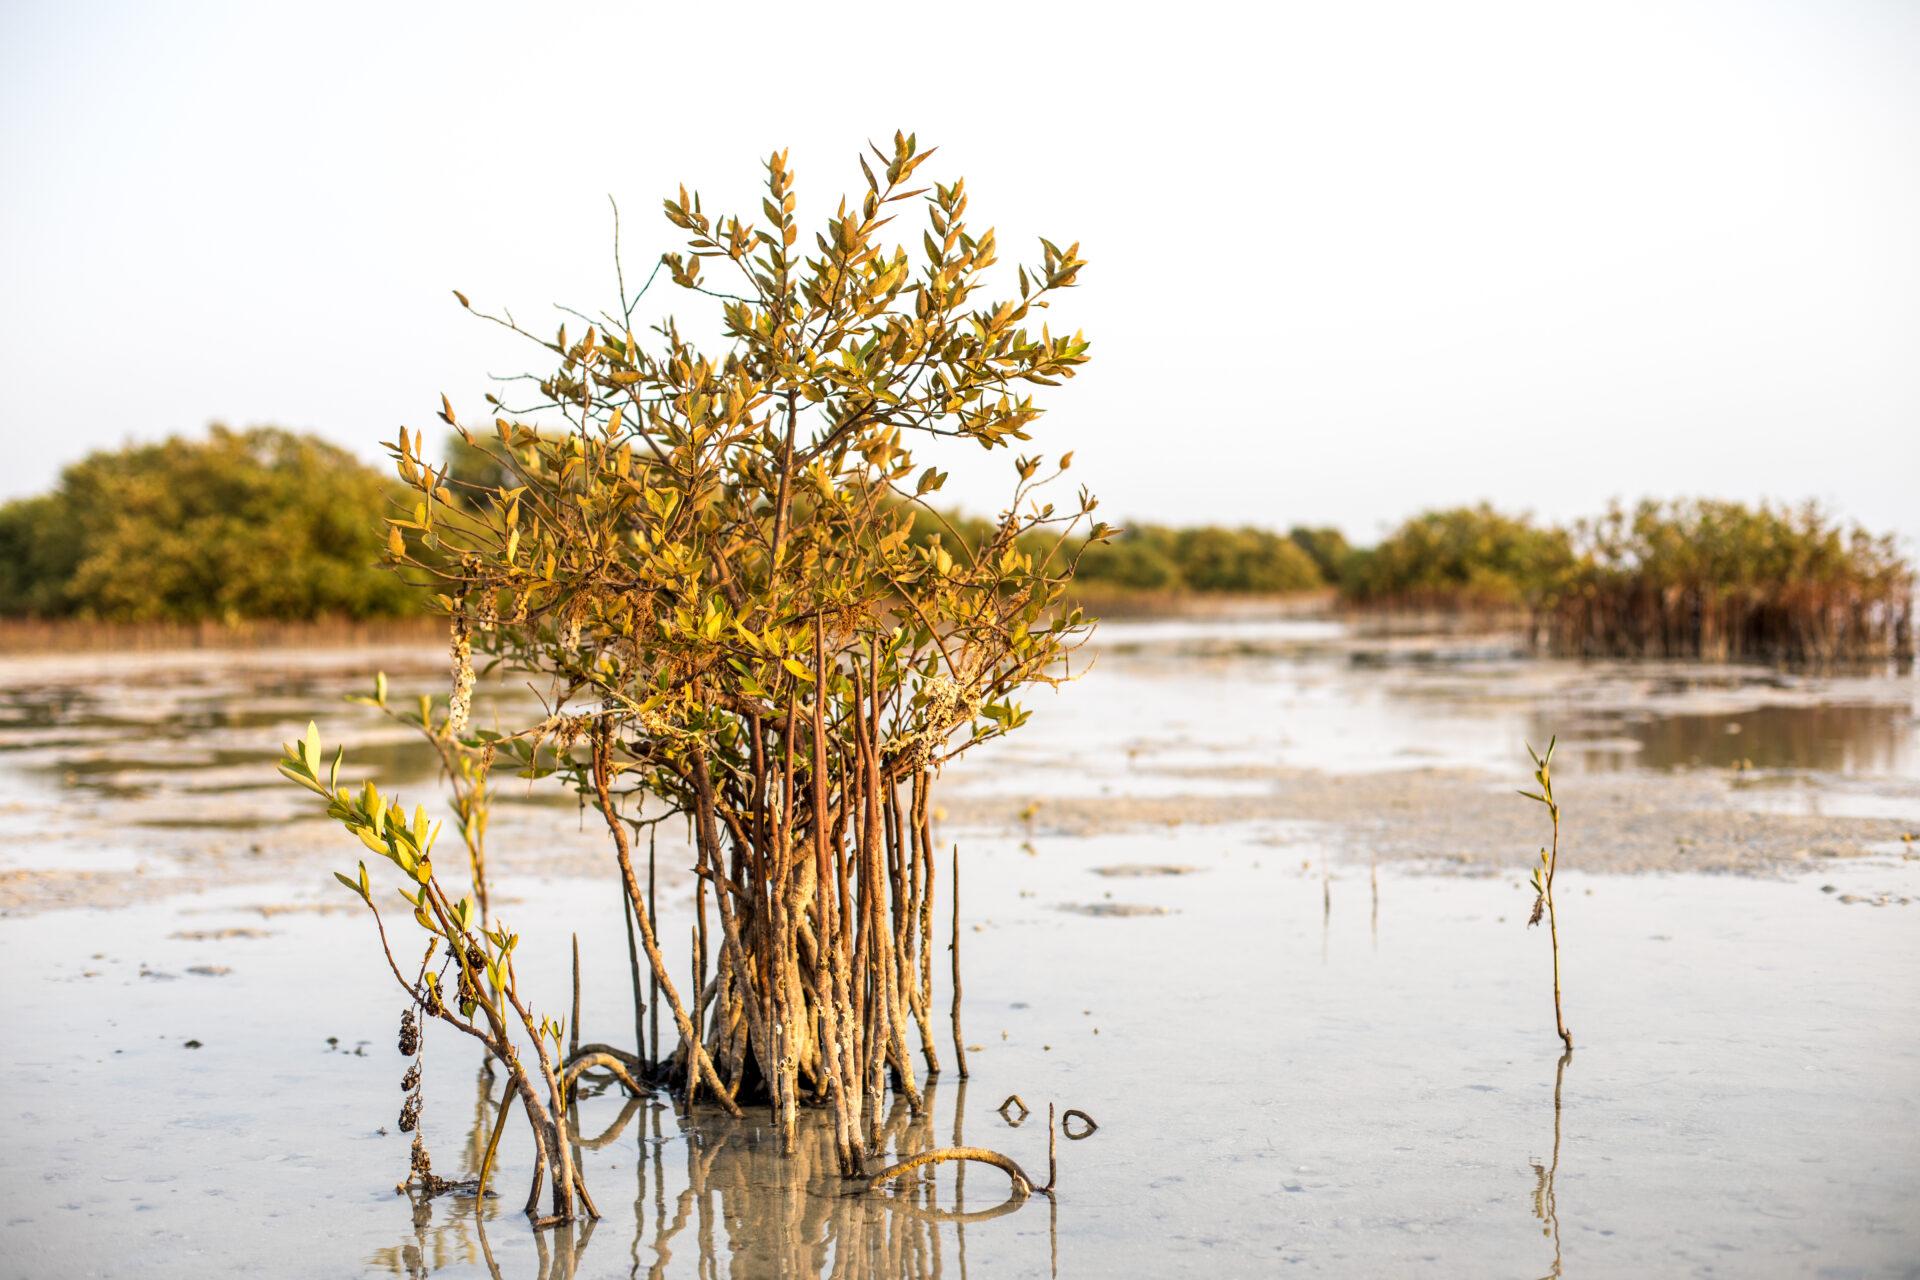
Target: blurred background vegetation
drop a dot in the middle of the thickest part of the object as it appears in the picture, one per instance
(261, 523)
(265, 524)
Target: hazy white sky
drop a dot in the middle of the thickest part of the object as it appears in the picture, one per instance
(1348, 259)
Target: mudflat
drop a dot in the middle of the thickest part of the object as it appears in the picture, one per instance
(1250, 894)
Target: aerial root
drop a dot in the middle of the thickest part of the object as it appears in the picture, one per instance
(598, 1058)
(1022, 1184)
(1075, 1113)
(628, 1060)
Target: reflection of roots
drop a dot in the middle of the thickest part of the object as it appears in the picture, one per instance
(932, 1213)
(1067, 1118)
(737, 1175)
(741, 1204)
(613, 1130)
(1022, 1184)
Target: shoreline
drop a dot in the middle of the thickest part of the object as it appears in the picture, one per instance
(1453, 820)
(134, 775)
(20, 637)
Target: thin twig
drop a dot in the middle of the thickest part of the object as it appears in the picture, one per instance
(959, 1041)
(573, 1024)
(493, 1144)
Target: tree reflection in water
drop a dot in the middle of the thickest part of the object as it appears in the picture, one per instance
(738, 1205)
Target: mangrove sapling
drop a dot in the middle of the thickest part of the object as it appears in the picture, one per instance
(485, 1002)
(716, 569)
(1543, 876)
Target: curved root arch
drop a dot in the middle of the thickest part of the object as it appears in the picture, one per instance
(1022, 1184)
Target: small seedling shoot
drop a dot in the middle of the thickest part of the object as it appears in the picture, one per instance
(1543, 875)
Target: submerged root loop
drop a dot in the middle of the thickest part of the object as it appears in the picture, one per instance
(1022, 1184)
(599, 1058)
(1071, 1114)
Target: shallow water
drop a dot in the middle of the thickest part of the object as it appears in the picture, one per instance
(1293, 1072)
(1278, 1085)
(1286, 694)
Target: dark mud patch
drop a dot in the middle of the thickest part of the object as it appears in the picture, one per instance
(1643, 821)
(1139, 870)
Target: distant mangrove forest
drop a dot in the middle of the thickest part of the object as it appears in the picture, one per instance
(265, 524)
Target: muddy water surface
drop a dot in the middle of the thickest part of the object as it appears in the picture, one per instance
(1300, 1062)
